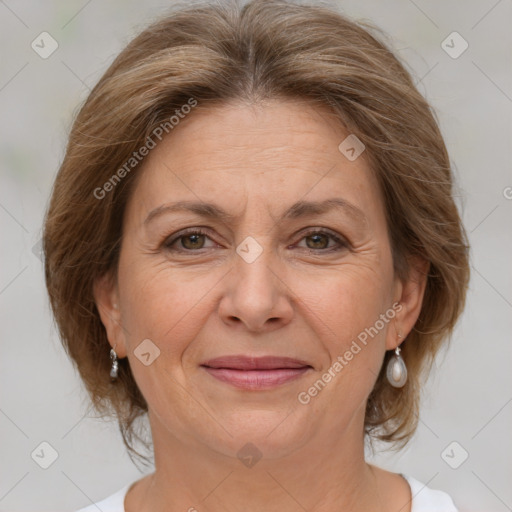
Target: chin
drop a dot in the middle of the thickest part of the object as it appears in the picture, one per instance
(274, 433)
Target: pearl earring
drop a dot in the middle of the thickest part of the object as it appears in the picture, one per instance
(115, 366)
(396, 371)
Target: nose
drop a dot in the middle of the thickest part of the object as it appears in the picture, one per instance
(257, 297)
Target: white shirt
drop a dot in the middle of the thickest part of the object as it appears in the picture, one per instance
(424, 499)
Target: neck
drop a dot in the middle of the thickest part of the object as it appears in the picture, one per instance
(319, 477)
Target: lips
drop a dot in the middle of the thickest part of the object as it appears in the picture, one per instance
(255, 373)
(255, 363)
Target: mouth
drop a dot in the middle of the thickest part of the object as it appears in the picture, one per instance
(256, 373)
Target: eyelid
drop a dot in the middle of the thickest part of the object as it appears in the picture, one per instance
(171, 239)
(339, 239)
(200, 230)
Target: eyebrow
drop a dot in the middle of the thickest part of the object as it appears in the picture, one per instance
(297, 210)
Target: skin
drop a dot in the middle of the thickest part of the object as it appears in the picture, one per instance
(299, 298)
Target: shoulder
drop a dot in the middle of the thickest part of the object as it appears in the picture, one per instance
(425, 499)
(113, 503)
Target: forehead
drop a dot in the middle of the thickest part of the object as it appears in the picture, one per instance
(275, 152)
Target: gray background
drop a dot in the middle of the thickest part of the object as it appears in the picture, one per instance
(468, 397)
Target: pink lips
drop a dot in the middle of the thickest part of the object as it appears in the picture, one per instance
(255, 373)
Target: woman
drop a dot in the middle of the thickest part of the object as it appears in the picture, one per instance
(252, 239)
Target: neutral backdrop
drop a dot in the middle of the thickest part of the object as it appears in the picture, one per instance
(463, 444)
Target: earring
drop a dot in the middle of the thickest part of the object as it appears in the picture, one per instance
(396, 371)
(115, 366)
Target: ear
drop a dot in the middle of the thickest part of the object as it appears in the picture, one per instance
(409, 293)
(106, 297)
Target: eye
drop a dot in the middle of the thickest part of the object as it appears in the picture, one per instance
(189, 240)
(194, 239)
(318, 240)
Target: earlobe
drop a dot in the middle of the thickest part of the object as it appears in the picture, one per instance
(107, 303)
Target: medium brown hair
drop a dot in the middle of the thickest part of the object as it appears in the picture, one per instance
(268, 49)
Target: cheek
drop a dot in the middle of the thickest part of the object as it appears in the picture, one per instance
(157, 306)
(347, 309)
(347, 300)
(163, 305)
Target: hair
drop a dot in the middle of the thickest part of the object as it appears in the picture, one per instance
(219, 52)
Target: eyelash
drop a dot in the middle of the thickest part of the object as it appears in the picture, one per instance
(342, 244)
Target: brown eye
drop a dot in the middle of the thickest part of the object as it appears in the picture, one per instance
(194, 241)
(318, 241)
(189, 241)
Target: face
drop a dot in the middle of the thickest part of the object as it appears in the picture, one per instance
(281, 285)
